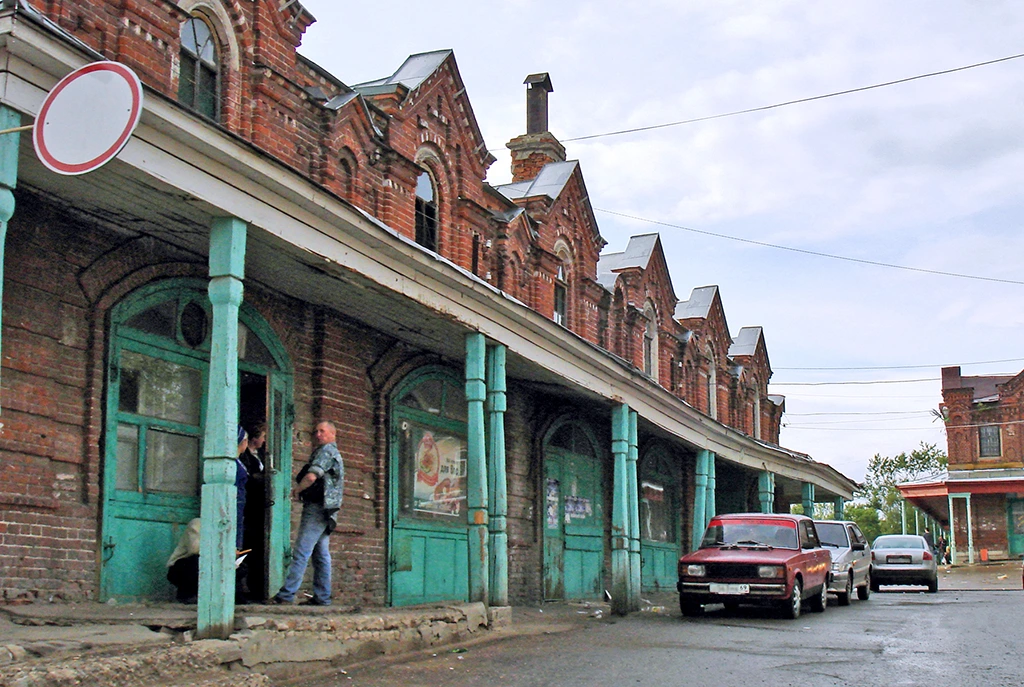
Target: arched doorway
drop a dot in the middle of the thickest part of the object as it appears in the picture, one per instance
(659, 504)
(429, 544)
(157, 368)
(573, 513)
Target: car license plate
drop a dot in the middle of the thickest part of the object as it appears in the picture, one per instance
(718, 588)
(898, 560)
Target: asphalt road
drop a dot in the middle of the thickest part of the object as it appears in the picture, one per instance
(960, 638)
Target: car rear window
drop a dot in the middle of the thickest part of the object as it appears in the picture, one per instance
(899, 543)
(777, 534)
(832, 534)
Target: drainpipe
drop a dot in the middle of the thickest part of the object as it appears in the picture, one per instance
(497, 486)
(620, 511)
(9, 119)
(766, 491)
(634, 514)
(476, 467)
(219, 497)
(700, 498)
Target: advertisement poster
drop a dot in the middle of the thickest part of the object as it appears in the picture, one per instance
(440, 482)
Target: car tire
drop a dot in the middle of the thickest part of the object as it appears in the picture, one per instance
(873, 585)
(933, 585)
(864, 593)
(844, 596)
(795, 601)
(690, 609)
(820, 601)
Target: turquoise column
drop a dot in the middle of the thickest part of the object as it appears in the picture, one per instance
(766, 491)
(711, 509)
(807, 494)
(700, 497)
(633, 487)
(9, 119)
(620, 511)
(476, 466)
(840, 504)
(497, 485)
(218, 510)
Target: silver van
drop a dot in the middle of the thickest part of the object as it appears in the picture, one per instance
(851, 559)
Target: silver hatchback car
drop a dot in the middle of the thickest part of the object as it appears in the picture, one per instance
(851, 559)
(903, 559)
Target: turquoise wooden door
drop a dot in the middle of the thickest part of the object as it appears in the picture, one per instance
(155, 412)
(659, 520)
(1015, 525)
(573, 515)
(428, 542)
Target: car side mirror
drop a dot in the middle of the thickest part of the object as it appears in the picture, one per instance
(857, 546)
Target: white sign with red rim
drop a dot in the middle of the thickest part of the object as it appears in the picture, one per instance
(87, 118)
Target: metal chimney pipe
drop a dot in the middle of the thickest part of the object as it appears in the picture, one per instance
(537, 102)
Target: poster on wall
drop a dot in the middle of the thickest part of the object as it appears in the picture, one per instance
(439, 486)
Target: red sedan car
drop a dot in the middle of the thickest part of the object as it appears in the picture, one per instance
(756, 558)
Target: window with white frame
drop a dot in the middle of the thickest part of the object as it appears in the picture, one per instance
(561, 309)
(651, 341)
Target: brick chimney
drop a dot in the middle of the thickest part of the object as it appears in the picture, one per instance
(537, 147)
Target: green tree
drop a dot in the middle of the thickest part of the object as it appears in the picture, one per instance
(866, 518)
(880, 492)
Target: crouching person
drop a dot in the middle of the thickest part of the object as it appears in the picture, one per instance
(319, 486)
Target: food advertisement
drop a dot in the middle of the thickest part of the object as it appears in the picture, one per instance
(440, 482)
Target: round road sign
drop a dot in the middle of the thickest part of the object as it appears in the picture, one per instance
(87, 118)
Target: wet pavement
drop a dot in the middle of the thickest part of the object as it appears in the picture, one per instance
(61, 634)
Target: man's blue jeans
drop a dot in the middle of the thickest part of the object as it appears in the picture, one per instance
(311, 540)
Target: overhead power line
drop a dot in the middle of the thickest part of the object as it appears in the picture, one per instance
(848, 382)
(815, 253)
(787, 103)
(880, 412)
(903, 367)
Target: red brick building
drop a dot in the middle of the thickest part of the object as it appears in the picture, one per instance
(981, 497)
(378, 265)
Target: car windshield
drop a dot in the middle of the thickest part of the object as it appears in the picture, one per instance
(832, 534)
(899, 543)
(724, 533)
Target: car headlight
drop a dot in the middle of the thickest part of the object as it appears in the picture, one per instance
(695, 570)
(837, 567)
(770, 571)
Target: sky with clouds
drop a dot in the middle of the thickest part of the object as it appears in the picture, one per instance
(926, 174)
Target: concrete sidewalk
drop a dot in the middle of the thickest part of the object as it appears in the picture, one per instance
(50, 644)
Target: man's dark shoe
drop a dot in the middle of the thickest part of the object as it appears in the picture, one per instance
(315, 602)
(277, 600)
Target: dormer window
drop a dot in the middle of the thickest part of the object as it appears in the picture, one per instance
(198, 87)
(561, 298)
(426, 212)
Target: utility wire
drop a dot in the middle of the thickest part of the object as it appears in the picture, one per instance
(901, 367)
(804, 251)
(881, 412)
(871, 381)
(793, 102)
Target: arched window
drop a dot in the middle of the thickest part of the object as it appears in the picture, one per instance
(651, 342)
(426, 212)
(757, 410)
(560, 312)
(198, 78)
(712, 385)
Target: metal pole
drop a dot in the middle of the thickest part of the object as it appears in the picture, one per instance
(952, 531)
(903, 515)
(970, 533)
